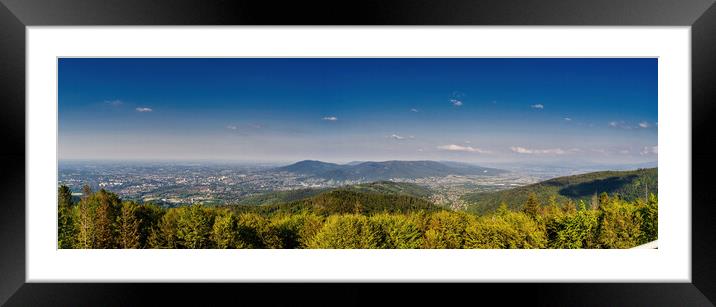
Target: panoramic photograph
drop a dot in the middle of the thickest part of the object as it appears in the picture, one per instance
(357, 153)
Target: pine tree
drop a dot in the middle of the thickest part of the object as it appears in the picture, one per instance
(603, 198)
(84, 214)
(128, 224)
(64, 196)
(594, 204)
(532, 206)
(446, 230)
(65, 224)
(347, 231)
(570, 207)
(502, 209)
(149, 215)
(224, 232)
(619, 224)
(107, 206)
(164, 234)
(648, 213)
(194, 227)
(104, 228)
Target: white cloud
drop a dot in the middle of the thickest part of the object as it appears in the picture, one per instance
(624, 152)
(144, 109)
(551, 151)
(455, 147)
(649, 150)
(330, 118)
(644, 125)
(414, 110)
(231, 127)
(456, 102)
(568, 119)
(396, 136)
(537, 106)
(114, 103)
(619, 124)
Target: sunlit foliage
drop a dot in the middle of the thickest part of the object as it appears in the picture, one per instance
(102, 220)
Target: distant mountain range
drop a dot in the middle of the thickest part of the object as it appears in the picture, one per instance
(629, 185)
(375, 171)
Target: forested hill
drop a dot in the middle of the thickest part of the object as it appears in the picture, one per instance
(380, 187)
(349, 200)
(629, 185)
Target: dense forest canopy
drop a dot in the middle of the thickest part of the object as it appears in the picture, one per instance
(356, 218)
(379, 187)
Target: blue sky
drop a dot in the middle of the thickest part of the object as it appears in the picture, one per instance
(340, 109)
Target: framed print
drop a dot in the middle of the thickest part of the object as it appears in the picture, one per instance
(389, 144)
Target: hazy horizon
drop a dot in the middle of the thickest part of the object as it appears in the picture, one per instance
(282, 110)
(288, 162)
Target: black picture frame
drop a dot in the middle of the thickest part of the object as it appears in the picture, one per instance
(15, 15)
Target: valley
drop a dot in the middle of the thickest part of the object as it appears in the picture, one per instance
(446, 184)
